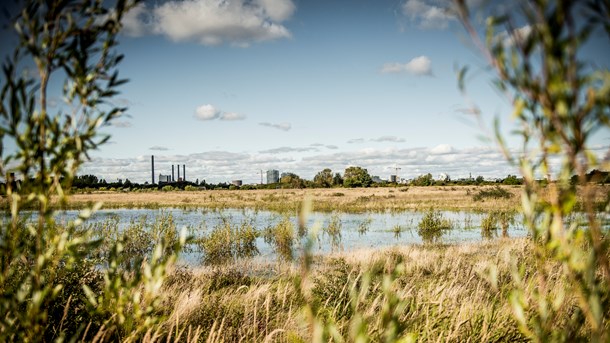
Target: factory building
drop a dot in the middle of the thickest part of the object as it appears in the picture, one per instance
(165, 178)
(273, 176)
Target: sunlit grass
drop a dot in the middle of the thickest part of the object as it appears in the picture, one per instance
(447, 292)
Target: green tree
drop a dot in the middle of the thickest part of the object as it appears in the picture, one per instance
(291, 180)
(356, 177)
(511, 180)
(560, 98)
(324, 178)
(337, 180)
(423, 180)
(85, 181)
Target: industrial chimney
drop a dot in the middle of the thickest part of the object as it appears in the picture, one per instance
(178, 166)
(173, 173)
(184, 172)
(152, 165)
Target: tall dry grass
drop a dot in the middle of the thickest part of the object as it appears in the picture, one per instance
(440, 293)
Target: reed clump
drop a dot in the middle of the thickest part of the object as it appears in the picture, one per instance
(282, 238)
(432, 226)
(229, 243)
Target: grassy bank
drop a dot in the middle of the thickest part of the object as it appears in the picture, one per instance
(432, 293)
(456, 198)
(325, 200)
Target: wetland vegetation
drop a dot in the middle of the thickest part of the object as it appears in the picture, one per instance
(80, 279)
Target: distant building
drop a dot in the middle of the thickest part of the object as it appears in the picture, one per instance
(393, 178)
(165, 178)
(273, 176)
(237, 183)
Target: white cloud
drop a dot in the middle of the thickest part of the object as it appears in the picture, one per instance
(516, 36)
(279, 126)
(441, 149)
(278, 10)
(355, 141)
(213, 22)
(137, 22)
(232, 116)
(419, 66)
(223, 166)
(285, 149)
(434, 14)
(206, 112)
(209, 112)
(388, 139)
(331, 147)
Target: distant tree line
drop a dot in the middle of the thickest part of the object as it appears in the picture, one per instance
(353, 177)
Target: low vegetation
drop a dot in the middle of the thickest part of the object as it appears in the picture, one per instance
(496, 192)
(411, 293)
(432, 226)
(71, 282)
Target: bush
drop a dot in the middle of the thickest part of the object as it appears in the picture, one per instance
(496, 192)
(281, 237)
(227, 243)
(432, 226)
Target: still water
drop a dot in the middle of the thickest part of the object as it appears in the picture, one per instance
(380, 229)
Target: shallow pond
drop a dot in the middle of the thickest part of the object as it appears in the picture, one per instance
(368, 230)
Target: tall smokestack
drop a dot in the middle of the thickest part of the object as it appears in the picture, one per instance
(178, 166)
(184, 172)
(173, 173)
(152, 165)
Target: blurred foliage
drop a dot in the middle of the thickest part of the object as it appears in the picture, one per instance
(56, 281)
(560, 99)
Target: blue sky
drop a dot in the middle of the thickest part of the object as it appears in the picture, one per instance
(230, 88)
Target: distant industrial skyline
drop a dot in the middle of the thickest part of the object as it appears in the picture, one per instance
(230, 88)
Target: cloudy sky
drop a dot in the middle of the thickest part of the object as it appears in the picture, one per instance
(230, 88)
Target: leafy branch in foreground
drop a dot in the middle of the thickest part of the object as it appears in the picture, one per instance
(42, 149)
(560, 100)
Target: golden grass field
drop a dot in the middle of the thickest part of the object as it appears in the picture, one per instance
(334, 199)
(341, 199)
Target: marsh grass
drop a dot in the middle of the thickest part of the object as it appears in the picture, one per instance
(228, 243)
(282, 238)
(398, 230)
(364, 226)
(426, 293)
(356, 200)
(333, 231)
(497, 220)
(432, 226)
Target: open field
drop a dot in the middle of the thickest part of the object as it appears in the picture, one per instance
(335, 199)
